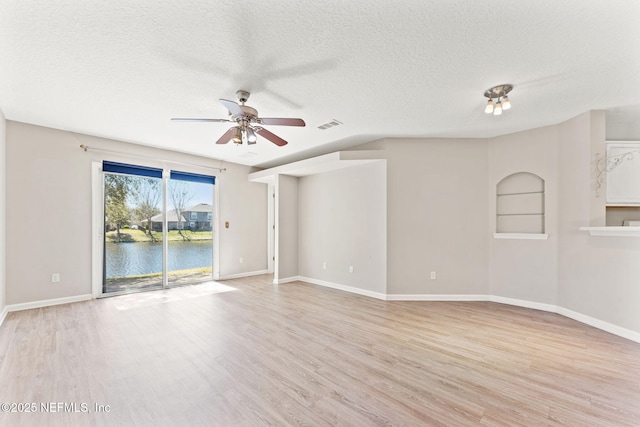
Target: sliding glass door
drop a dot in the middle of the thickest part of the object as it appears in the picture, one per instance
(190, 225)
(148, 246)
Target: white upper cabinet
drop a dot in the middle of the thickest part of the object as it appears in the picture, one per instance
(623, 173)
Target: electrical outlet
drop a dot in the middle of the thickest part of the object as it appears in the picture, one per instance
(351, 269)
(433, 275)
(241, 260)
(324, 265)
(55, 277)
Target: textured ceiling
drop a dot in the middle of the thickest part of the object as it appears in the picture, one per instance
(121, 69)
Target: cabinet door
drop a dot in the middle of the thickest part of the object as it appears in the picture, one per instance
(623, 173)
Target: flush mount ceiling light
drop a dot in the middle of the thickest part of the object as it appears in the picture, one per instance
(498, 99)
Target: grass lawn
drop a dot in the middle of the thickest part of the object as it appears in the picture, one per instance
(130, 235)
(189, 271)
(154, 280)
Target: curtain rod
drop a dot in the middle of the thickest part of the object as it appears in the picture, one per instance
(86, 147)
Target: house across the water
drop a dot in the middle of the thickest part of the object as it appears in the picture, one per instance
(195, 218)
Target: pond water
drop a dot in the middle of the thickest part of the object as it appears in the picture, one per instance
(133, 259)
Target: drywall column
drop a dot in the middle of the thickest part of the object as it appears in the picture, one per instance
(286, 248)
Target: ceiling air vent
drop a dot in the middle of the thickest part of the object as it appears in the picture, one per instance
(331, 124)
(247, 155)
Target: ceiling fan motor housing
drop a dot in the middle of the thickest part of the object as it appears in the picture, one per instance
(243, 96)
(249, 111)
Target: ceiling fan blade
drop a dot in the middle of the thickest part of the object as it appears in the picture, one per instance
(233, 108)
(226, 137)
(281, 121)
(184, 119)
(271, 137)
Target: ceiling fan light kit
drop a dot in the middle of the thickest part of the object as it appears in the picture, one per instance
(248, 123)
(236, 135)
(498, 99)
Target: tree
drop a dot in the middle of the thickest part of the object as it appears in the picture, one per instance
(116, 191)
(147, 197)
(180, 194)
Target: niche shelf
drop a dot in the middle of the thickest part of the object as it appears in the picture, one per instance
(520, 210)
(521, 236)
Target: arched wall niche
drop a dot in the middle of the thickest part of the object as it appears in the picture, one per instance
(520, 204)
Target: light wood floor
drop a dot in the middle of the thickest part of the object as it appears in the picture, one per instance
(248, 353)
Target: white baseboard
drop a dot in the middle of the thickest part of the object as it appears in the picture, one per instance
(239, 275)
(345, 288)
(434, 297)
(48, 302)
(523, 303)
(600, 324)
(286, 280)
(582, 318)
(3, 315)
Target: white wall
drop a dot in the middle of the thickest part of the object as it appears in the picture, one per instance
(244, 205)
(598, 276)
(49, 210)
(596, 134)
(3, 174)
(441, 216)
(623, 129)
(286, 228)
(437, 216)
(343, 222)
(525, 269)
(596, 279)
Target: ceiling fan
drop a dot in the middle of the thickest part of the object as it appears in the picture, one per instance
(248, 124)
